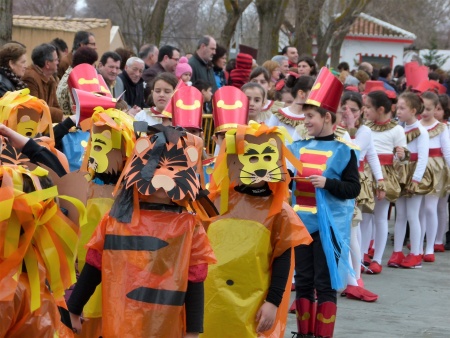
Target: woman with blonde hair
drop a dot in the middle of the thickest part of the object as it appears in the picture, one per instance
(274, 70)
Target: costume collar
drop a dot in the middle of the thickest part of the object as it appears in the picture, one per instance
(252, 191)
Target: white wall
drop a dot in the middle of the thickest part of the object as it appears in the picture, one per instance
(351, 48)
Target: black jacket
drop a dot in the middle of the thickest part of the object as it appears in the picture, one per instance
(134, 92)
(5, 85)
(202, 71)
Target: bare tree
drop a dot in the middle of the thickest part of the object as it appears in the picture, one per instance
(5, 21)
(44, 7)
(234, 9)
(271, 16)
(153, 29)
(338, 28)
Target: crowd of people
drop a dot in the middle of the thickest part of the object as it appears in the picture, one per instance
(125, 214)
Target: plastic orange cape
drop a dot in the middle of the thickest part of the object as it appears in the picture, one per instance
(234, 144)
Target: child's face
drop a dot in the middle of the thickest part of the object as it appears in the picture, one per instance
(255, 102)
(316, 124)
(404, 112)
(262, 81)
(161, 94)
(287, 98)
(428, 111)
(371, 112)
(439, 113)
(207, 94)
(186, 77)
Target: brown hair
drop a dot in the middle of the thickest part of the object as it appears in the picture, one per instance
(271, 66)
(413, 101)
(11, 52)
(431, 96)
(321, 111)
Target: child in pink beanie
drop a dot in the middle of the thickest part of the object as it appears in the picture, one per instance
(183, 71)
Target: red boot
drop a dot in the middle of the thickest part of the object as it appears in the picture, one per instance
(326, 317)
(306, 316)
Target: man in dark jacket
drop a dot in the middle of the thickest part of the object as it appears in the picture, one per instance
(202, 68)
(133, 83)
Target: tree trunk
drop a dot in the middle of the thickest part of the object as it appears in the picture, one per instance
(343, 21)
(6, 17)
(154, 28)
(234, 9)
(271, 15)
(307, 21)
(336, 44)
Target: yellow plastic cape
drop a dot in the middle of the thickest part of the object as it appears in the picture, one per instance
(33, 228)
(234, 144)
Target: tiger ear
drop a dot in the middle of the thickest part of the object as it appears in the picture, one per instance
(192, 155)
(142, 145)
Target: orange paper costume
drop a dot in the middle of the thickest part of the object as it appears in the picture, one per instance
(37, 253)
(256, 227)
(150, 251)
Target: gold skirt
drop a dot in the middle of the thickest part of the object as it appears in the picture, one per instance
(405, 173)
(366, 199)
(439, 176)
(391, 182)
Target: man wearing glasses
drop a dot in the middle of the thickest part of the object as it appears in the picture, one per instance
(39, 78)
(81, 38)
(168, 58)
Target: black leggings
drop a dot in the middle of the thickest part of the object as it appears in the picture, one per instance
(311, 272)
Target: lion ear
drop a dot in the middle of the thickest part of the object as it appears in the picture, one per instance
(273, 142)
(107, 133)
(142, 145)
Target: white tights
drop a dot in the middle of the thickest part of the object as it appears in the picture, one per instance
(355, 256)
(407, 210)
(442, 211)
(366, 232)
(428, 222)
(380, 214)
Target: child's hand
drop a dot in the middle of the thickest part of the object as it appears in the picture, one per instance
(76, 323)
(266, 317)
(191, 335)
(400, 153)
(318, 181)
(381, 194)
(16, 140)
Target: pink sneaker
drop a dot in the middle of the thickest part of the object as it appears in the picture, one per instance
(412, 262)
(396, 258)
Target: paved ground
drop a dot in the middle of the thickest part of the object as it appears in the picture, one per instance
(412, 303)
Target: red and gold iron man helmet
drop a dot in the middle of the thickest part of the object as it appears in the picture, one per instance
(187, 103)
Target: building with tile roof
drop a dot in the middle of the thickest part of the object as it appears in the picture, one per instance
(34, 30)
(375, 41)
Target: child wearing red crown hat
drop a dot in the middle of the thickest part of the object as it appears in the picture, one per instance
(323, 197)
(438, 164)
(149, 252)
(390, 144)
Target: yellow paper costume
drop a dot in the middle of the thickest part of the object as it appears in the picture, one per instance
(250, 233)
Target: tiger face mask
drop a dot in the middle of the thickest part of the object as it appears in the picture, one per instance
(158, 163)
